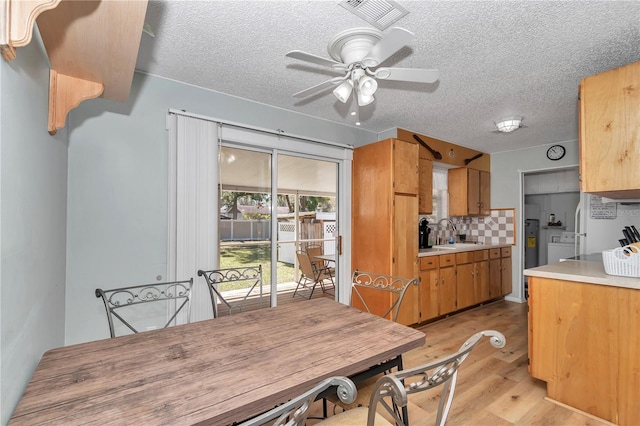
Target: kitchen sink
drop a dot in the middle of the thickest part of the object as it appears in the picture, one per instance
(453, 246)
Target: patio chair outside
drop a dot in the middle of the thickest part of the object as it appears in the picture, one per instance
(312, 275)
(251, 276)
(132, 305)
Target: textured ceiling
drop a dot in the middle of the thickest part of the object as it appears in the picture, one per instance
(496, 59)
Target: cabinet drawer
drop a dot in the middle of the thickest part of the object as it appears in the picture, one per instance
(505, 252)
(480, 255)
(429, 262)
(464, 257)
(494, 253)
(447, 260)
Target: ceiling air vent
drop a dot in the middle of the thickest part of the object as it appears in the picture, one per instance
(379, 13)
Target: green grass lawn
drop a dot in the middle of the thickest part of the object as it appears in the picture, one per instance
(237, 255)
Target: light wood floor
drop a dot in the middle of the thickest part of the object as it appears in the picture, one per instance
(494, 387)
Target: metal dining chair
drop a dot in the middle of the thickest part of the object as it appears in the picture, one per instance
(367, 289)
(247, 277)
(295, 411)
(391, 391)
(147, 306)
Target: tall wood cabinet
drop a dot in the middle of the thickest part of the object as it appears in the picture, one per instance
(469, 192)
(385, 218)
(610, 133)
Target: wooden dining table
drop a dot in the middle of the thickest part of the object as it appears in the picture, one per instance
(214, 372)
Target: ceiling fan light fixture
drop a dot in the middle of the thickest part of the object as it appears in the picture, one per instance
(367, 86)
(509, 124)
(364, 100)
(343, 91)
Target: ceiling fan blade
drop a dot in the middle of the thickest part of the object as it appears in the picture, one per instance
(408, 74)
(319, 87)
(390, 43)
(314, 59)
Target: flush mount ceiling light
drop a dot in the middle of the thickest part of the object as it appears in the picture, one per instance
(509, 124)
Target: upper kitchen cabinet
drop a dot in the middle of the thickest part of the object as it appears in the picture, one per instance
(469, 192)
(425, 187)
(92, 47)
(610, 133)
(385, 218)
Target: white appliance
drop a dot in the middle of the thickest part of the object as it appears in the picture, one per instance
(563, 249)
(599, 224)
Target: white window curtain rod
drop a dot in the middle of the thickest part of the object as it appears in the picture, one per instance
(277, 132)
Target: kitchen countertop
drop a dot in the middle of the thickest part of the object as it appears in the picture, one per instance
(582, 271)
(435, 251)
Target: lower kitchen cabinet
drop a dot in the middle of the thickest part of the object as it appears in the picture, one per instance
(584, 342)
(429, 287)
(448, 289)
(500, 280)
(506, 269)
(450, 282)
(481, 275)
(464, 279)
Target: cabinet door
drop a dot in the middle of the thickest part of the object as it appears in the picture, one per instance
(481, 281)
(425, 195)
(447, 290)
(405, 252)
(495, 278)
(372, 208)
(457, 187)
(609, 137)
(405, 167)
(465, 285)
(485, 193)
(506, 275)
(429, 294)
(473, 192)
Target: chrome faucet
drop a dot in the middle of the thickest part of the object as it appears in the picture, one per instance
(449, 222)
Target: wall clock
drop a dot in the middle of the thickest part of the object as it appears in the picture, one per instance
(556, 152)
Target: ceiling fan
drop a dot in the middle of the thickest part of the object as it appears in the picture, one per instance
(358, 53)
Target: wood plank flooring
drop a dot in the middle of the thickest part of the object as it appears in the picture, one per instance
(494, 386)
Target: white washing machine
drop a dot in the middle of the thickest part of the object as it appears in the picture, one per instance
(562, 249)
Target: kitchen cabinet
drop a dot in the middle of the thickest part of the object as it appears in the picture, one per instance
(429, 287)
(481, 275)
(448, 286)
(437, 286)
(465, 291)
(584, 342)
(425, 194)
(385, 218)
(469, 192)
(610, 133)
(500, 280)
(506, 278)
(472, 277)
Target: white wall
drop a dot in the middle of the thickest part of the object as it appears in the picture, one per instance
(117, 210)
(33, 220)
(507, 169)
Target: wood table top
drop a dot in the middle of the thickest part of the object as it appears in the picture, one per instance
(217, 371)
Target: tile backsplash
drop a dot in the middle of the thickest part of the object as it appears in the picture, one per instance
(497, 228)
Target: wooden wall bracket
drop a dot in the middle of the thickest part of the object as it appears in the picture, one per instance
(17, 18)
(66, 93)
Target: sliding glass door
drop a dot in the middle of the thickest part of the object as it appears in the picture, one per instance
(301, 212)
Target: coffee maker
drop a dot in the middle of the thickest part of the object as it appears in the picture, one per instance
(423, 235)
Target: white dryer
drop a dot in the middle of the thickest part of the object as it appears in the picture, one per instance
(562, 249)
